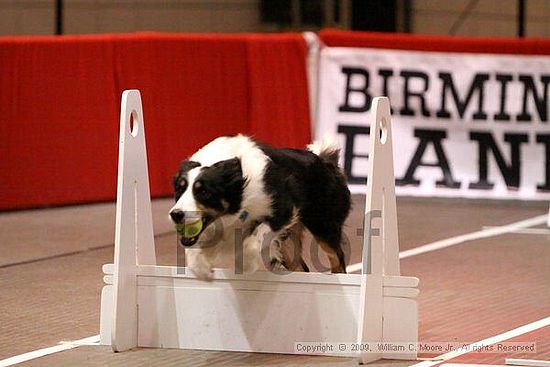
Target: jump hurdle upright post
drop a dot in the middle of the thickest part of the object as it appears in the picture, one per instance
(134, 241)
(380, 245)
(143, 304)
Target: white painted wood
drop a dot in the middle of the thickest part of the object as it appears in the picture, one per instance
(399, 326)
(256, 316)
(400, 292)
(267, 285)
(313, 47)
(370, 321)
(106, 313)
(220, 317)
(298, 277)
(147, 305)
(179, 272)
(228, 274)
(134, 225)
(400, 281)
(526, 362)
(380, 246)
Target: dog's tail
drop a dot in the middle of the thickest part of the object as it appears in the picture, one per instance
(327, 149)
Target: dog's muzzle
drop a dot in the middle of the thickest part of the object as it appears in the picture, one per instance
(189, 226)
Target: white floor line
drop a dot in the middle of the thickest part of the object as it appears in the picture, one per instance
(91, 340)
(484, 233)
(539, 231)
(489, 341)
(526, 362)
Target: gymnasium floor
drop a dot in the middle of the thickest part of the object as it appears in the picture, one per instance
(50, 282)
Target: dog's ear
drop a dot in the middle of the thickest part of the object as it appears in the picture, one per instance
(231, 171)
(231, 174)
(187, 165)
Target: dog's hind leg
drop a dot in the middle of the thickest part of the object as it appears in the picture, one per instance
(292, 249)
(335, 257)
(331, 243)
(283, 249)
(276, 250)
(329, 236)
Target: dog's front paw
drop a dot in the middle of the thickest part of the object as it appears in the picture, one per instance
(199, 264)
(203, 272)
(250, 266)
(252, 253)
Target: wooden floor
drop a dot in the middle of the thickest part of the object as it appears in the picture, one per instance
(50, 282)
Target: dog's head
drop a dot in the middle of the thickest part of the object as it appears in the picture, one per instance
(204, 194)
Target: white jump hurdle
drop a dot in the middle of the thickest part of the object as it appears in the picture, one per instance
(146, 305)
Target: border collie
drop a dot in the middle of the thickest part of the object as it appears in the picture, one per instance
(236, 181)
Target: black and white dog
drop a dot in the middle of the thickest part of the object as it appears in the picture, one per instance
(237, 181)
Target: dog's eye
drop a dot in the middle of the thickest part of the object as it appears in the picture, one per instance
(201, 190)
(182, 184)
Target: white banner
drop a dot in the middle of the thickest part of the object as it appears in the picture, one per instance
(464, 125)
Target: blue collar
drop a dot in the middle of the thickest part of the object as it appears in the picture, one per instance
(243, 215)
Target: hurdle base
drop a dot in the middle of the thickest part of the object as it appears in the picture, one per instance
(257, 312)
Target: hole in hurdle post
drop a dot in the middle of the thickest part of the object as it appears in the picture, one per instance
(134, 125)
(383, 130)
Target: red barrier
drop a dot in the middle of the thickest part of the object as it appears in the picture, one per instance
(403, 41)
(276, 99)
(57, 121)
(59, 106)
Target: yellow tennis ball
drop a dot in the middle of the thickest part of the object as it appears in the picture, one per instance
(190, 230)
